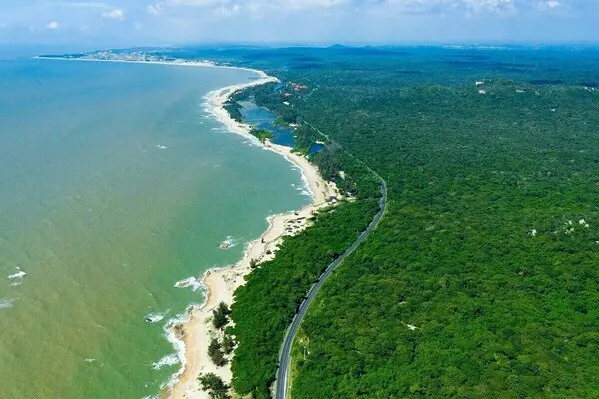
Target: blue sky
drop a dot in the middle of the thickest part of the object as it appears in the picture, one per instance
(155, 22)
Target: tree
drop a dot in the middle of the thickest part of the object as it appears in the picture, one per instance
(215, 386)
(216, 354)
(228, 344)
(220, 316)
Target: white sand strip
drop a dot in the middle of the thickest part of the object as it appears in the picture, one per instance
(198, 331)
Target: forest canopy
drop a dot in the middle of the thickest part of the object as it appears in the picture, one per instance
(482, 278)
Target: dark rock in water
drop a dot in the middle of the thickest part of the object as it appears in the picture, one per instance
(590, 84)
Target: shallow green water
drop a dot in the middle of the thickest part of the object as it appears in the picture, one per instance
(115, 184)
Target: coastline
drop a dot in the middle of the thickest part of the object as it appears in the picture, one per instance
(190, 333)
(177, 62)
(193, 335)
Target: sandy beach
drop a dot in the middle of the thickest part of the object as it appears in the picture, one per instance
(176, 62)
(195, 334)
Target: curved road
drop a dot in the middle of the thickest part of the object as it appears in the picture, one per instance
(285, 354)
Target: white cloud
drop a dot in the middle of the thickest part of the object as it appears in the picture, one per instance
(153, 9)
(180, 21)
(116, 14)
(207, 10)
(161, 5)
(228, 11)
(307, 4)
(78, 4)
(552, 4)
(236, 6)
(53, 25)
(197, 3)
(446, 6)
(489, 5)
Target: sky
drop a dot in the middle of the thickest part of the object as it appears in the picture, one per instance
(170, 22)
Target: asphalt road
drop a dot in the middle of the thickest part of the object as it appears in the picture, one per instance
(285, 354)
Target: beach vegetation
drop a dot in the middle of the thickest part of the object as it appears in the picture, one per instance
(214, 385)
(216, 353)
(234, 110)
(261, 134)
(279, 121)
(228, 344)
(220, 315)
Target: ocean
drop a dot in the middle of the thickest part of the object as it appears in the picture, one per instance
(116, 183)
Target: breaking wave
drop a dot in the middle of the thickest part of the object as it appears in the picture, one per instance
(168, 360)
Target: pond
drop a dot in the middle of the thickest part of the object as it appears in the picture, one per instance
(264, 119)
(315, 149)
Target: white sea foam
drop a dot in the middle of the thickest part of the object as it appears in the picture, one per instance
(168, 360)
(6, 303)
(230, 242)
(161, 147)
(90, 360)
(155, 317)
(19, 274)
(214, 109)
(193, 282)
(178, 344)
(302, 190)
(307, 184)
(15, 284)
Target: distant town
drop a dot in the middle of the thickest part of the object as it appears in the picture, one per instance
(130, 56)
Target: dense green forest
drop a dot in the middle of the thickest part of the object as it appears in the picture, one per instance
(266, 305)
(489, 248)
(482, 278)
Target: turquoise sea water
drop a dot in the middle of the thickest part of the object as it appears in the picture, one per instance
(115, 183)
